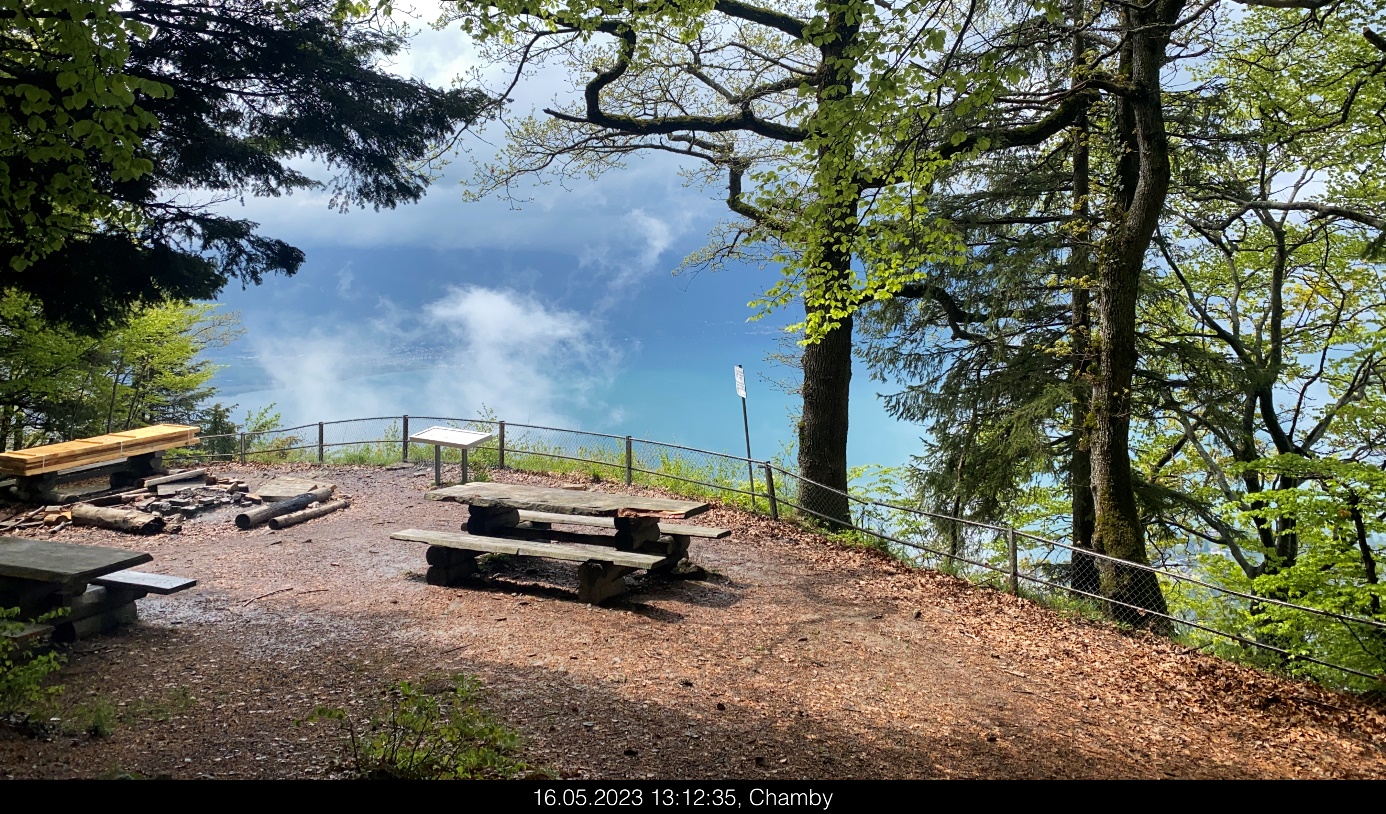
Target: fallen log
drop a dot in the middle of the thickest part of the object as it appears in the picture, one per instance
(254, 517)
(176, 477)
(294, 518)
(135, 522)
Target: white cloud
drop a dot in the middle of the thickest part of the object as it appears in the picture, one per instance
(519, 356)
(528, 361)
(345, 277)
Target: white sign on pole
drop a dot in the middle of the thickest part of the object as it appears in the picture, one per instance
(740, 382)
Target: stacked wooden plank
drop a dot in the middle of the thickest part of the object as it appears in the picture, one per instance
(84, 451)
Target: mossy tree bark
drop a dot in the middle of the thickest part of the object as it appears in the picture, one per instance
(1143, 171)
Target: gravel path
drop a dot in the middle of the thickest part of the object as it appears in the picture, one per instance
(795, 658)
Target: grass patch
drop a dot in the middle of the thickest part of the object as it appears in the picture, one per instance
(96, 717)
(416, 734)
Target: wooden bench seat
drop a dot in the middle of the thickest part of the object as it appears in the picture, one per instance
(610, 523)
(573, 552)
(601, 574)
(162, 584)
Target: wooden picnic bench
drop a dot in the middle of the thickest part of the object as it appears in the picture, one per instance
(94, 584)
(130, 453)
(518, 519)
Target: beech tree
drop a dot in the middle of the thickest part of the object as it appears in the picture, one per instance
(57, 383)
(1274, 120)
(796, 109)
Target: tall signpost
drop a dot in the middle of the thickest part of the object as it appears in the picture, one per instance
(750, 470)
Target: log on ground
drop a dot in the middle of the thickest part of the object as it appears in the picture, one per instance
(108, 517)
(177, 477)
(254, 517)
(294, 518)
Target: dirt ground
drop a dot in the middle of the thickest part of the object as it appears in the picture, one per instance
(794, 658)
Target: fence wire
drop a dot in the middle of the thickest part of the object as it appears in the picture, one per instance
(1340, 649)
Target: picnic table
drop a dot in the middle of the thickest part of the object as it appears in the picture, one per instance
(518, 519)
(93, 583)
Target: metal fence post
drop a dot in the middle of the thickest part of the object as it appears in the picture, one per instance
(242, 447)
(1014, 560)
(770, 492)
(319, 442)
(751, 477)
(404, 456)
(630, 461)
(465, 474)
(500, 449)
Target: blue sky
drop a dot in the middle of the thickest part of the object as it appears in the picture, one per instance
(562, 311)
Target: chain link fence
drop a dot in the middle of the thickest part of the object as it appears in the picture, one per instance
(1340, 649)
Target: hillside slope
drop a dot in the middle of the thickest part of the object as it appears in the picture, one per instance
(795, 659)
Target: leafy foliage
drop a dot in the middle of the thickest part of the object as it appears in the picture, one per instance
(58, 383)
(22, 673)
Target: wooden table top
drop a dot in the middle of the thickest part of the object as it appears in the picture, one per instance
(566, 501)
(62, 563)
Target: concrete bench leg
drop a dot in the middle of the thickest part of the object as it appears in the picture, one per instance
(449, 566)
(103, 622)
(599, 581)
(37, 488)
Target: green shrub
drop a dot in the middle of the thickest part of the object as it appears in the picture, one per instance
(22, 673)
(422, 735)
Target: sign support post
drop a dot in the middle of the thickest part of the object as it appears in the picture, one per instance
(746, 424)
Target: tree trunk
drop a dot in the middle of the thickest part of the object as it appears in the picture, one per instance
(828, 361)
(294, 518)
(1084, 576)
(823, 425)
(1143, 182)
